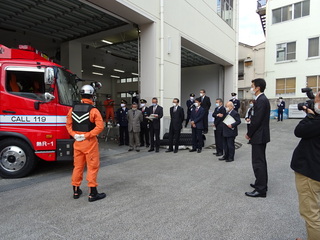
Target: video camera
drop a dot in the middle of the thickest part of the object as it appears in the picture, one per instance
(309, 103)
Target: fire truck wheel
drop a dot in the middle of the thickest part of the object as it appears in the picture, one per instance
(16, 158)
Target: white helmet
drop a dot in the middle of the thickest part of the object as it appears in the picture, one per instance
(87, 89)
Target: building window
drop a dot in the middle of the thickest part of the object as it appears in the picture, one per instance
(285, 86)
(313, 82)
(293, 11)
(225, 10)
(286, 51)
(313, 47)
(241, 70)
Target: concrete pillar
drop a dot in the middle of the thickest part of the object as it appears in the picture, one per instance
(71, 57)
(148, 76)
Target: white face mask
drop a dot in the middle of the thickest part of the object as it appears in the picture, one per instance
(134, 108)
(122, 105)
(196, 104)
(191, 98)
(142, 104)
(201, 94)
(234, 97)
(227, 109)
(251, 104)
(174, 104)
(154, 104)
(316, 108)
(252, 91)
(217, 104)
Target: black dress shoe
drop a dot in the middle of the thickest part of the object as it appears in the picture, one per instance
(175, 151)
(169, 150)
(151, 150)
(157, 150)
(147, 146)
(256, 194)
(223, 158)
(138, 150)
(131, 149)
(199, 151)
(192, 150)
(96, 197)
(219, 154)
(229, 160)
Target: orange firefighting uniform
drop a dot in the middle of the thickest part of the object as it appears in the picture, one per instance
(109, 104)
(87, 151)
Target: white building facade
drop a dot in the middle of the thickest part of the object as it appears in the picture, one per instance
(292, 57)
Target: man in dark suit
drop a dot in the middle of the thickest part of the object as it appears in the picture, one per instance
(235, 101)
(197, 126)
(205, 104)
(190, 106)
(156, 113)
(219, 114)
(230, 132)
(281, 106)
(177, 117)
(259, 136)
(144, 133)
(122, 122)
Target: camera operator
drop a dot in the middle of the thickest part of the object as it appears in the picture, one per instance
(306, 164)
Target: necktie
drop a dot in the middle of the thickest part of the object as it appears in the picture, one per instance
(134, 112)
(175, 109)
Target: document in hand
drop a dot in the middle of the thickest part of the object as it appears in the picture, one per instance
(151, 117)
(229, 120)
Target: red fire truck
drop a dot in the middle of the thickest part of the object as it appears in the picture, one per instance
(35, 97)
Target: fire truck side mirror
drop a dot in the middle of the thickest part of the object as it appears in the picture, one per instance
(49, 76)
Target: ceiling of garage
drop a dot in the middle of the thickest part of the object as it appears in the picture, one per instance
(65, 20)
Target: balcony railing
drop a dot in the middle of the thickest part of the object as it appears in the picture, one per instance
(261, 3)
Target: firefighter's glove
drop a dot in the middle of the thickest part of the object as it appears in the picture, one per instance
(79, 137)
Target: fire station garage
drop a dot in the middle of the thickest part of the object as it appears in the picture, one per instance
(153, 49)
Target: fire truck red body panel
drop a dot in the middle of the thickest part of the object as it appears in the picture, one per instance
(41, 128)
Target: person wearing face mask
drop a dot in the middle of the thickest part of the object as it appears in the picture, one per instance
(219, 115)
(248, 115)
(229, 132)
(157, 112)
(205, 104)
(235, 101)
(144, 133)
(122, 123)
(134, 118)
(109, 106)
(190, 107)
(306, 165)
(259, 135)
(281, 107)
(197, 126)
(177, 117)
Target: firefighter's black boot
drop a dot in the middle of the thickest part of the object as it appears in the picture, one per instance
(94, 195)
(76, 192)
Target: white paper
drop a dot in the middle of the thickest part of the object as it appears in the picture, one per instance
(229, 120)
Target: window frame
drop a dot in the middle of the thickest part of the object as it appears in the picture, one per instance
(315, 56)
(285, 89)
(286, 53)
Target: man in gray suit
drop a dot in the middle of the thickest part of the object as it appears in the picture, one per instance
(134, 117)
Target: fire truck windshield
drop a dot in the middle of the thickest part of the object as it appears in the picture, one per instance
(67, 88)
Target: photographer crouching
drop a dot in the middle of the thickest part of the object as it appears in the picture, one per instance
(306, 164)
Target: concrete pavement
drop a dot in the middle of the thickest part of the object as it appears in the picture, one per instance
(160, 196)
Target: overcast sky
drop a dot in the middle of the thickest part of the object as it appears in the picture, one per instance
(250, 28)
